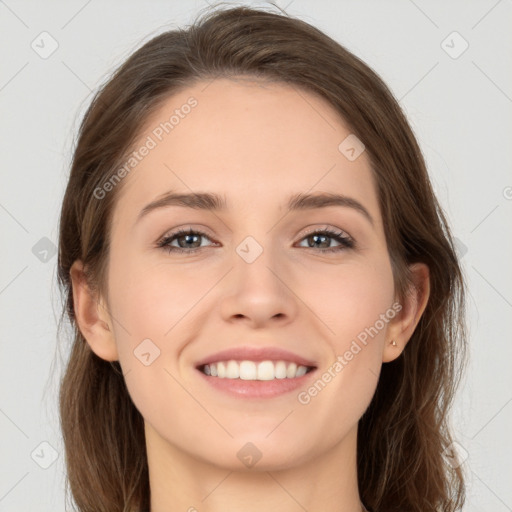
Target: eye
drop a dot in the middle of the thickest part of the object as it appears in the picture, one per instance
(188, 240)
(322, 237)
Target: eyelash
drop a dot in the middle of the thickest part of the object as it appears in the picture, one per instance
(345, 241)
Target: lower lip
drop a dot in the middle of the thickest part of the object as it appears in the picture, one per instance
(257, 388)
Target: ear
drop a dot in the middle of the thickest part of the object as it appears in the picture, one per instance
(402, 326)
(92, 316)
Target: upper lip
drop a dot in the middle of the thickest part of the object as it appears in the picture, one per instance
(255, 354)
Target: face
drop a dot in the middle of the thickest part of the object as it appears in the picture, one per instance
(254, 276)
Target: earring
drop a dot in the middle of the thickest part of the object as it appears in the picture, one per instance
(394, 343)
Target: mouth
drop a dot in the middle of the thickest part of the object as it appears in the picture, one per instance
(255, 380)
(248, 370)
(255, 371)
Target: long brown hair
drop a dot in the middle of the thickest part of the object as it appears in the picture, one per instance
(405, 430)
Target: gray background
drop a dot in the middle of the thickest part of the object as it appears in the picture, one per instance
(459, 105)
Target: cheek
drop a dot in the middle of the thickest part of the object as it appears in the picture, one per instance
(356, 304)
(155, 306)
(152, 298)
(350, 300)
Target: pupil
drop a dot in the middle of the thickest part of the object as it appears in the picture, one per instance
(316, 237)
(187, 238)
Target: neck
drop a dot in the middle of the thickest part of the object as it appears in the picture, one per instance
(179, 481)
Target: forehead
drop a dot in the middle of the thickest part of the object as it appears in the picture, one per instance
(246, 139)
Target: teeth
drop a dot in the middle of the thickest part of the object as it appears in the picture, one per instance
(251, 370)
(233, 370)
(291, 371)
(280, 370)
(301, 370)
(248, 370)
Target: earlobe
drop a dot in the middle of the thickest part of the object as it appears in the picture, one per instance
(92, 316)
(402, 327)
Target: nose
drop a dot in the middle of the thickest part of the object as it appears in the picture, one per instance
(258, 293)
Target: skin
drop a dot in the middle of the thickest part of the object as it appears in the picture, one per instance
(256, 144)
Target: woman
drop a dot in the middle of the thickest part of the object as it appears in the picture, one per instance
(265, 294)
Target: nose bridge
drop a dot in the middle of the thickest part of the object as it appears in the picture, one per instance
(256, 262)
(256, 289)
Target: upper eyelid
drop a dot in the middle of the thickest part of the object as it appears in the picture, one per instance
(185, 230)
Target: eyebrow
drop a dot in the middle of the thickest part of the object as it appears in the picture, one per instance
(214, 202)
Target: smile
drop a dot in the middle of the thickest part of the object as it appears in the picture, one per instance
(255, 370)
